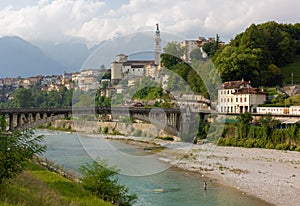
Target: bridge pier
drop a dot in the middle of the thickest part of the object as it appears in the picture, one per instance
(19, 120)
(11, 122)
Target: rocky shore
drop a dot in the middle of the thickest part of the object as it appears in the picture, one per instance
(271, 175)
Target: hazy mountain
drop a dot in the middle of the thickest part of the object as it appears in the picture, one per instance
(70, 54)
(20, 58)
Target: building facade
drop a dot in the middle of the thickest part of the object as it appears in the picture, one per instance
(239, 97)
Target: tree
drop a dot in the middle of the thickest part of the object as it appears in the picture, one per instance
(258, 53)
(210, 48)
(102, 180)
(23, 98)
(15, 149)
(175, 49)
(244, 122)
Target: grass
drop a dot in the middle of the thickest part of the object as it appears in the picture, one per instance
(37, 186)
(293, 67)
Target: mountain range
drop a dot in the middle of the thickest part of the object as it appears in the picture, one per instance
(21, 58)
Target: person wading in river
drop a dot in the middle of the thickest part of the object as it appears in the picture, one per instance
(204, 185)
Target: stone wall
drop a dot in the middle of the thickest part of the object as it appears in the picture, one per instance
(134, 129)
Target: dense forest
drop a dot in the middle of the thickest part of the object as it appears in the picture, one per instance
(258, 53)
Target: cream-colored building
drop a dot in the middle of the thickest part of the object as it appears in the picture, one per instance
(123, 68)
(239, 97)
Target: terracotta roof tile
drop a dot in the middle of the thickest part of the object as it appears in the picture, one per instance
(249, 90)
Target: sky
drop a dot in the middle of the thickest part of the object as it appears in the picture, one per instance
(94, 21)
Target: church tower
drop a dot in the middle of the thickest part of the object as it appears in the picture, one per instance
(157, 48)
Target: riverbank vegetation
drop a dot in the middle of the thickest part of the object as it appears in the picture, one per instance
(102, 181)
(22, 182)
(16, 148)
(266, 133)
(38, 186)
(63, 127)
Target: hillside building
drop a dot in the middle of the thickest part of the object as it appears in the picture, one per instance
(122, 67)
(239, 97)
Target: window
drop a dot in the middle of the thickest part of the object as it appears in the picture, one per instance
(245, 99)
(241, 99)
(237, 99)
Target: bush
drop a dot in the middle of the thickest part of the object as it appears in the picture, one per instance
(166, 138)
(103, 182)
(297, 149)
(249, 143)
(282, 146)
(105, 130)
(270, 145)
(137, 133)
(15, 150)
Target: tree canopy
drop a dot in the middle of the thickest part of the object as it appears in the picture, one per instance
(258, 53)
(15, 149)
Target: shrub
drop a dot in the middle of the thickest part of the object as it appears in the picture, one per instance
(166, 138)
(137, 133)
(48, 125)
(282, 146)
(297, 149)
(270, 145)
(16, 149)
(249, 143)
(103, 182)
(105, 130)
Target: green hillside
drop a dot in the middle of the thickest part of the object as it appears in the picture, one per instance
(292, 68)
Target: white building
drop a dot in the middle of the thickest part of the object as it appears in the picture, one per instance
(123, 68)
(239, 97)
(190, 45)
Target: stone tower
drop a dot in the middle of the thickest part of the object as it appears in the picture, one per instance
(157, 48)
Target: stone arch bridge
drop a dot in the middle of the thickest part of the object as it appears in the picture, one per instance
(172, 120)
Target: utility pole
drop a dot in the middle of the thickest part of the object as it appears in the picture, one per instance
(292, 76)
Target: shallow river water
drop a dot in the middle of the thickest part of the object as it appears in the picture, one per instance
(154, 182)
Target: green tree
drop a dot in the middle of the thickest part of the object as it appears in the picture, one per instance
(244, 123)
(258, 53)
(175, 49)
(16, 148)
(102, 180)
(85, 100)
(210, 48)
(23, 98)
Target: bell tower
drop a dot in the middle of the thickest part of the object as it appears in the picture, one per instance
(157, 47)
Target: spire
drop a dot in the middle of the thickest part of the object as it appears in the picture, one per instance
(157, 48)
(157, 28)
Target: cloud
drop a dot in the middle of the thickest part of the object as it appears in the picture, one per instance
(48, 20)
(91, 20)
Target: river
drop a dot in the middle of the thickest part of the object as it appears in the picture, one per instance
(154, 182)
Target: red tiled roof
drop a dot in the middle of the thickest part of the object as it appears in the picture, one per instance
(235, 84)
(249, 90)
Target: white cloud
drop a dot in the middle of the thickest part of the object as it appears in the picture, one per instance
(89, 19)
(48, 20)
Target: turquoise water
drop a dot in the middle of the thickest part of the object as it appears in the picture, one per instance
(161, 186)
